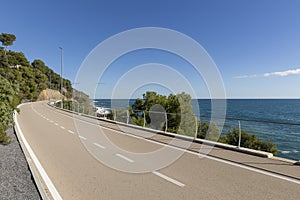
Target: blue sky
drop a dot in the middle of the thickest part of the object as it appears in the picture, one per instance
(254, 43)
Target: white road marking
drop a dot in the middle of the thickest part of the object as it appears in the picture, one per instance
(99, 145)
(124, 157)
(62, 127)
(71, 131)
(51, 121)
(56, 124)
(82, 137)
(38, 165)
(211, 158)
(282, 177)
(168, 179)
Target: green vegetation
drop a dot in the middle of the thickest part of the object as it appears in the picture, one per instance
(178, 108)
(181, 120)
(7, 39)
(31, 78)
(208, 131)
(22, 81)
(248, 141)
(8, 103)
(80, 102)
(180, 116)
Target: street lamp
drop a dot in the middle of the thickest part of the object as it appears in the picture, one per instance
(61, 79)
(50, 87)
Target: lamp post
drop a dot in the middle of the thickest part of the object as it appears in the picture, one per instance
(61, 79)
(50, 87)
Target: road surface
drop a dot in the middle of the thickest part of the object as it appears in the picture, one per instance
(75, 154)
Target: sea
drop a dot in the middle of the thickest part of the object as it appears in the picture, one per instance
(277, 120)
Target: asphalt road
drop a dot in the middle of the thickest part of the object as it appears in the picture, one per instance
(88, 159)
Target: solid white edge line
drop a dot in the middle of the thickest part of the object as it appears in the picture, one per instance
(124, 157)
(261, 171)
(212, 158)
(99, 145)
(168, 179)
(38, 165)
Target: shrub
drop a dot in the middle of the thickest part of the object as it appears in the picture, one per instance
(248, 141)
(8, 103)
(4, 139)
(208, 131)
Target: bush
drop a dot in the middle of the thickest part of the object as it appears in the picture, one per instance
(8, 103)
(248, 141)
(208, 131)
(4, 139)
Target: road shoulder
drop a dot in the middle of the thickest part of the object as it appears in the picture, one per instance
(16, 181)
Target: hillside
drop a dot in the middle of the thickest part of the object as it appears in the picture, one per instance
(32, 78)
(23, 81)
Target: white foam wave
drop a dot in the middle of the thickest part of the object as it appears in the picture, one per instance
(285, 152)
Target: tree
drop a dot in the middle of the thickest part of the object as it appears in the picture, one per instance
(17, 58)
(7, 39)
(187, 123)
(173, 110)
(180, 117)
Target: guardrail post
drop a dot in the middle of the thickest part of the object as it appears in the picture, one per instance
(144, 116)
(166, 118)
(115, 114)
(127, 113)
(240, 135)
(196, 132)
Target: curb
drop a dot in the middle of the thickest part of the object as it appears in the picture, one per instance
(45, 186)
(286, 160)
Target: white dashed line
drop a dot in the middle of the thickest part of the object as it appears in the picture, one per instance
(282, 177)
(99, 145)
(168, 179)
(124, 157)
(51, 121)
(56, 124)
(62, 127)
(71, 131)
(82, 137)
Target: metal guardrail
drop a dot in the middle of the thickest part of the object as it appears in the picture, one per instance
(193, 138)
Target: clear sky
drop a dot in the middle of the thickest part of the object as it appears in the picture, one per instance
(254, 43)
